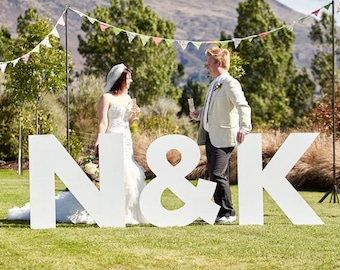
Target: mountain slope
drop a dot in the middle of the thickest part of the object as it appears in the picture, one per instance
(195, 20)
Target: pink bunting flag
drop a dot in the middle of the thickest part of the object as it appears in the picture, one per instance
(264, 34)
(157, 40)
(25, 58)
(316, 12)
(103, 26)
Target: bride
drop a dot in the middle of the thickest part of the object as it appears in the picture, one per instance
(116, 111)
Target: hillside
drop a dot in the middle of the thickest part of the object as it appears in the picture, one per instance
(195, 20)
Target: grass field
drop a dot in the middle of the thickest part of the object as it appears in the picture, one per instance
(276, 245)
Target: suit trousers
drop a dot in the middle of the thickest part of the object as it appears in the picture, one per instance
(218, 165)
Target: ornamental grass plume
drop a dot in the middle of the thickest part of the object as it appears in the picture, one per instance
(312, 172)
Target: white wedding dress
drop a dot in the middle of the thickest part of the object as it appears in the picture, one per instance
(68, 209)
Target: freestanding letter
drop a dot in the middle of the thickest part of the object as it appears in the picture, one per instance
(252, 179)
(197, 199)
(48, 157)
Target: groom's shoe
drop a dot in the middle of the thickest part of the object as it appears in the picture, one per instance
(223, 220)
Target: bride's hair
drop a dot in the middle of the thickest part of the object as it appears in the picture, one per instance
(121, 84)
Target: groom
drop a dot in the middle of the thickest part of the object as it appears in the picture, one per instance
(225, 119)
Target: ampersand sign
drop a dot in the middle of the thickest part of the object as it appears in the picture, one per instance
(197, 199)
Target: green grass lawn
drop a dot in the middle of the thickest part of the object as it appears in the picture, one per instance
(276, 245)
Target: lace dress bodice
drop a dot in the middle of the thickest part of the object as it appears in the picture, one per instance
(118, 116)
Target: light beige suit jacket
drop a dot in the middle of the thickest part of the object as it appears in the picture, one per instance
(229, 112)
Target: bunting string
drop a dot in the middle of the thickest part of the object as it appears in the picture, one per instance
(145, 38)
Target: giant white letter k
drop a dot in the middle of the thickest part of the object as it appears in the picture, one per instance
(252, 179)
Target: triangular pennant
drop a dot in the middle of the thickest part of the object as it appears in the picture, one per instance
(15, 61)
(36, 49)
(144, 39)
(81, 14)
(216, 43)
(275, 30)
(237, 42)
(264, 34)
(169, 42)
(196, 44)
(210, 42)
(131, 36)
(183, 44)
(103, 26)
(316, 12)
(327, 6)
(25, 57)
(303, 19)
(290, 27)
(61, 21)
(55, 33)
(157, 40)
(3, 67)
(92, 20)
(46, 42)
(116, 30)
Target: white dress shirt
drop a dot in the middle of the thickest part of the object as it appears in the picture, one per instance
(208, 99)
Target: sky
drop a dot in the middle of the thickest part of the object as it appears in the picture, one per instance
(308, 6)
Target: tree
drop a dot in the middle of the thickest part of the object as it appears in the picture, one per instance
(193, 90)
(321, 37)
(153, 66)
(83, 109)
(5, 42)
(300, 96)
(44, 72)
(270, 71)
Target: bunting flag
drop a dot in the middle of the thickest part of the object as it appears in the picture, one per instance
(25, 57)
(157, 40)
(45, 42)
(3, 67)
(184, 43)
(144, 39)
(103, 26)
(131, 36)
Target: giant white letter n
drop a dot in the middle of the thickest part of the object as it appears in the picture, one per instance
(252, 179)
(48, 157)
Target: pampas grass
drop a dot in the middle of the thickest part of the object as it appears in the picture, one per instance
(314, 170)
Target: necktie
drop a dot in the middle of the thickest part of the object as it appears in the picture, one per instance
(206, 106)
(211, 90)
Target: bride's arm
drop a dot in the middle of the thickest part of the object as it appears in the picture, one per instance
(102, 109)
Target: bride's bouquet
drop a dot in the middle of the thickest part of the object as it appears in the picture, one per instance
(90, 166)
